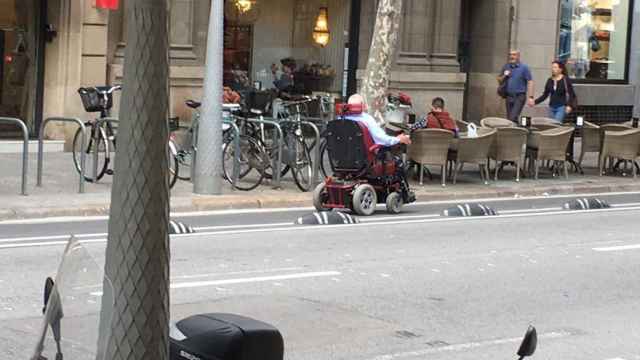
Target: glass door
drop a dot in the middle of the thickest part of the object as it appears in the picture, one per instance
(18, 48)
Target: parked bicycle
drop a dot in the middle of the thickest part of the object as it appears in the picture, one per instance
(102, 136)
(253, 159)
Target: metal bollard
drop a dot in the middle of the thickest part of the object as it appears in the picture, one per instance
(41, 150)
(25, 149)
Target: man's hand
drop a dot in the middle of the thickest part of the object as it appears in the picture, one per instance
(404, 139)
(568, 109)
(531, 102)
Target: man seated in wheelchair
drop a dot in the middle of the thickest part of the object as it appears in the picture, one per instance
(365, 172)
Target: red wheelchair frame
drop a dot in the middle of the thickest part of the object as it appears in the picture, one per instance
(365, 173)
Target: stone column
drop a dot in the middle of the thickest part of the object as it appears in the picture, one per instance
(445, 34)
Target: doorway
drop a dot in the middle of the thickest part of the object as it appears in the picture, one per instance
(22, 55)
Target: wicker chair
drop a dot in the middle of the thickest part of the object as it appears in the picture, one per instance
(495, 122)
(474, 151)
(508, 148)
(543, 123)
(611, 127)
(550, 145)
(430, 147)
(591, 140)
(623, 145)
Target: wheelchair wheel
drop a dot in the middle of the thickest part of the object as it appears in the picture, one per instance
(365, 200)
(394, 203)
(320, 196)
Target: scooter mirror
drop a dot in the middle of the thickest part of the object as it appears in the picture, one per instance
(48, 286)
(529, 343)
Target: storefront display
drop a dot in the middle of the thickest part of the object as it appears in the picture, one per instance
(593, 38)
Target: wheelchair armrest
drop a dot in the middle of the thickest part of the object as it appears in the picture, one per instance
(375, 148)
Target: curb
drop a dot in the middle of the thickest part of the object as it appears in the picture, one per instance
(234, 202)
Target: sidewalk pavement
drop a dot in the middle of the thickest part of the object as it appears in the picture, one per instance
(59, 194)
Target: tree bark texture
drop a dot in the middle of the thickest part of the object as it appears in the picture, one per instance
(383, 46)
(137, 255)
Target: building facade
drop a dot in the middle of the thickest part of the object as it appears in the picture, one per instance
(448, 48)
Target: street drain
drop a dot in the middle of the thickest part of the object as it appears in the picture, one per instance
(177, 227)
(586, 204)
(464, 210)
(326, 218)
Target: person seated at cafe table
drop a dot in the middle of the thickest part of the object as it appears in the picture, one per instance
(437, 118)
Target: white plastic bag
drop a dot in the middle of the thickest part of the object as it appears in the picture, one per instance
(472, 131)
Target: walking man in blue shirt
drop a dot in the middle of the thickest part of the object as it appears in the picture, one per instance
(519, 85)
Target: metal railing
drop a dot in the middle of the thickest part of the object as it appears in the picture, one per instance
(82, 153)
(96, 149)
(277, 162)
(315, 146)
(236, 144)
(25, 148)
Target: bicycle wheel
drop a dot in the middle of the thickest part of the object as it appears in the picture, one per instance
(173, 164)
(302, 169)
(325, 162)
(96, 138)
(272, 151)
(252, 160)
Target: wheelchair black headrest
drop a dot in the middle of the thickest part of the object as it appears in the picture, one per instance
(347, 147)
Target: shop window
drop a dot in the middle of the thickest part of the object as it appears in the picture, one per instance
(594, 39)
(237, 56)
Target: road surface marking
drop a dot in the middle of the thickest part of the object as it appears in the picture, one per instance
(467, 346)
(10, 243)
(617, 248)
(275, 278)
(236, 273)
(51, 237)
(63, 219)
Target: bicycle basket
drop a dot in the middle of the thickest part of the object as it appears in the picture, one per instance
(94, 101)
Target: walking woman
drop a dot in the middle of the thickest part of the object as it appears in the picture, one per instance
(560, 91)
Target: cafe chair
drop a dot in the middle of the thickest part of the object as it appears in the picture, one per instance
(544, 123)
(622, 145)
(507, 148)
(430, 147)
(549, 145)
(496, 122)
(473, 151)
(591, 140)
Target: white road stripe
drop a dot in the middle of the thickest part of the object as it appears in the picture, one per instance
(373, 222)
(466, 346)
(617, 248)
(196, 276)
(197, 284)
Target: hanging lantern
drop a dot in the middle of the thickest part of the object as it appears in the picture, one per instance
(321, 33)
(241, 12)
(244, 6)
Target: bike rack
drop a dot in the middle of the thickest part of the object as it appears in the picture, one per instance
(25, 149)
(99, 123)
(41, 145)
(276, 162)
(316, 150)
(236, 142)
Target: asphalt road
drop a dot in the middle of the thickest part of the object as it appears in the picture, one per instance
(413, 286)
